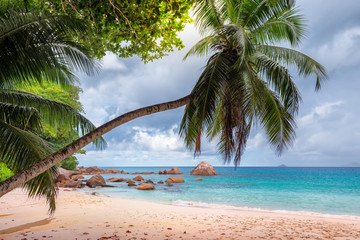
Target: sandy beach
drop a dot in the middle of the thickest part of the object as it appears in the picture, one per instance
(85, 216)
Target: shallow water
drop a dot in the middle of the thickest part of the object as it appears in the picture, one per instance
(321, 190)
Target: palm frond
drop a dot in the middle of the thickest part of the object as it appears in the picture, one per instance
(44, 186)
(20, 149)
(306, 65)
(54, 113)
(208, 15)
(287, 27)
(280, 80)
(256, 12)
(37, 47)
(20, 116)
(199, 113)
(202, 47)
(279, 124)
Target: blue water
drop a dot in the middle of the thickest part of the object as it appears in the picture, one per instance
(321, 190)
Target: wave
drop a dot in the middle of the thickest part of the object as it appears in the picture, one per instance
(252, 209)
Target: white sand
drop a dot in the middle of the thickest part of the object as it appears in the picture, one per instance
(81, 216)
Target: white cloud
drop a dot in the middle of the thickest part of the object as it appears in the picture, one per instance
(158, 141)
(318, 113)
(256, 142)
(342, 51)
(112, 62)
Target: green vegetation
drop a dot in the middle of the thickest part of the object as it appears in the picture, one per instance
(59, 137)
(5, 172)
(146, 28)
(38, 49)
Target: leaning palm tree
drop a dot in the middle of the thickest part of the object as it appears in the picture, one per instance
(245, 81)
(38, 49)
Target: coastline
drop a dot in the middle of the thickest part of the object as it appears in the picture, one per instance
(86, 216)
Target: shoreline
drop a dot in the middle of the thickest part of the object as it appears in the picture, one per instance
(85, 216)
(220, 206)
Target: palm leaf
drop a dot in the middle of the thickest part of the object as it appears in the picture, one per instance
(20, 149)
(37, 48)
(280, 80)
(288, 26)
(199, 112)
(54, 113)
(208, 15)
(306, 65)
(279, 125)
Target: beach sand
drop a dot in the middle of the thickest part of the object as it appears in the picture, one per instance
(85, 216)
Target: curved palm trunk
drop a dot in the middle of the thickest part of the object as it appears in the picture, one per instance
(25, 175)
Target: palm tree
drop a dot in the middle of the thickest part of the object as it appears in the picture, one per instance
(245, 81)
(38, 49)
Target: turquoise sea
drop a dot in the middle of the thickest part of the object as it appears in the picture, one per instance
(306, 189)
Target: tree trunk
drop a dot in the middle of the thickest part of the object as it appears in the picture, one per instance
(25, 175)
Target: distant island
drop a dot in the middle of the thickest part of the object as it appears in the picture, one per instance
(282, 165)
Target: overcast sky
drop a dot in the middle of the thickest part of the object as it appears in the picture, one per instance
(328, 132)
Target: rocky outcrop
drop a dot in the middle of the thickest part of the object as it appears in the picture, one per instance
(138, 178)
(130, 184)
(89, 170)
(149, 181)
(204, 169)
(77, 177)
(63, 174)
(74, 184)
(70, 184)
(112, 170)
(116, 180)
(145, 186)
(173, 170)
(160, 182)
(96, 180)
(175, 180)
(198, 179)
(95, 170)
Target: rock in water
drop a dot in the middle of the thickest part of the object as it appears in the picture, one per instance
(204, 169)
(112, 170)
(198, 179)
(145, 186)
(138, 178)
(96, 180)
(175, 180)
(116, 180)
(174, 170)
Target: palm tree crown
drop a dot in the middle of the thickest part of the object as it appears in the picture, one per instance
(246, 80)
(38, 48)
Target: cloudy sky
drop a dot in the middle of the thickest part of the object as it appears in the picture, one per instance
(328, 132)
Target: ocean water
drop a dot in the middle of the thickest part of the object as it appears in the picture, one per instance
(317, 190)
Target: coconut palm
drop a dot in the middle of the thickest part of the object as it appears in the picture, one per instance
(245, 81)
(40, 49)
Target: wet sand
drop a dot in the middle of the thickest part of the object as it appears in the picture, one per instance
(84, 216)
